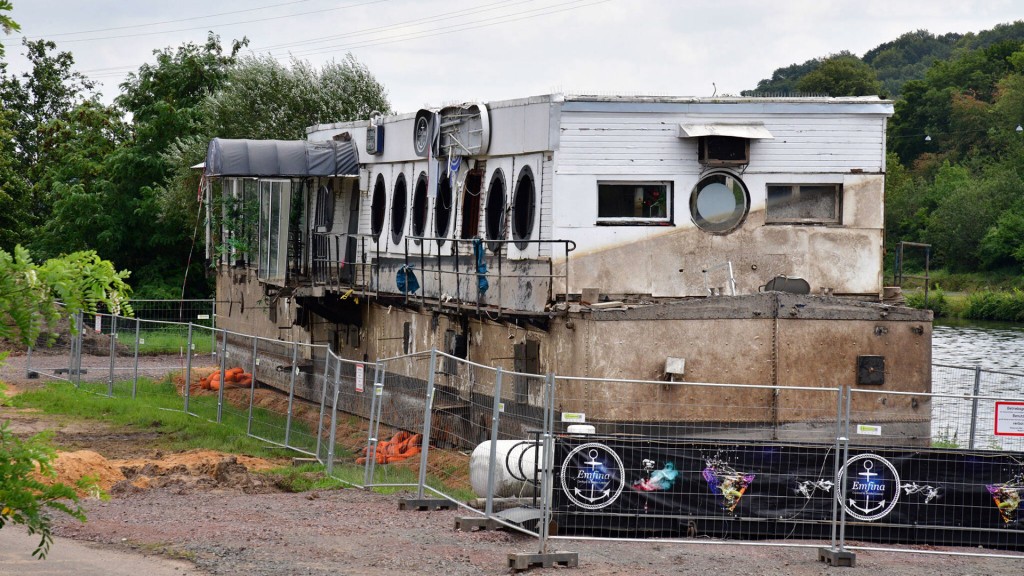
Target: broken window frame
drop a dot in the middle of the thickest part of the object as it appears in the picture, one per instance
(664, 199)
(798, 190)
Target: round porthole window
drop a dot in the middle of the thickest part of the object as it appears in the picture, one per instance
(494, 215)
(419, 206)
(399, 205)
(380, 198)
(443, 207)
(719, 202)
(524, 206)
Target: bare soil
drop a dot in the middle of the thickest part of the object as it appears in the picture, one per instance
(216, 511)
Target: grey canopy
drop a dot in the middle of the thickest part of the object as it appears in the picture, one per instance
(291, 158)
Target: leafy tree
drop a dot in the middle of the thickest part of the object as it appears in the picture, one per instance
(266, 99)
(783, 80)
(841, 75)
(28, 301)
(7, 25)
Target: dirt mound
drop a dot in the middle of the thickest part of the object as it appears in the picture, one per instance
(187, 471)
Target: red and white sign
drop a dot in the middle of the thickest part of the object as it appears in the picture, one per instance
(360, 374)
(1009, 419)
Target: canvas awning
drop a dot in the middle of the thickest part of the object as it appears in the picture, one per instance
(752, 130)
(286, 158)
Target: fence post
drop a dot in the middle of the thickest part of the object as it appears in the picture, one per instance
(974, 404)
(188, 367)
(334, 421)
(223, 369)
(291, 393)
(491, 462)
(376, 402)
(78, 349)
(846, 458)
(252, 387)
(428, 408)
(835, 466)
(113, 353)
(323, 403)
(28, 363)
(547, 445)
(135, 370)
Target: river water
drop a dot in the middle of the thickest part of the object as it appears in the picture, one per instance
(957, 349)
(990, 345)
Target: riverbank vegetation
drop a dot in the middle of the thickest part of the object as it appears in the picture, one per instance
(993, 305)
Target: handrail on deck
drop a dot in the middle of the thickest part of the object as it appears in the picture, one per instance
(346, 261)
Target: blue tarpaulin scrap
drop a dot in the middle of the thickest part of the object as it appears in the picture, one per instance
(406, 280)
(481, 266)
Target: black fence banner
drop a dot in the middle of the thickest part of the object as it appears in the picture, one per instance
(657, 487)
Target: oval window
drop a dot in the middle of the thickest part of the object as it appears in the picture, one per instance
(419, 206)
(524, 206)
(399, 204)
(377, 209)
(443, 207)
(494, 212)
(719, 203)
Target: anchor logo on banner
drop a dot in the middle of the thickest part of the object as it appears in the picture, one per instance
(592, 476)
(872, 487)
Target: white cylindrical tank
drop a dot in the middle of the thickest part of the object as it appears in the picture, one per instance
(515, 468)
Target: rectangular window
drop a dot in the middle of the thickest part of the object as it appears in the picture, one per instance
(803, 203)
(275, 200)
(634, 203)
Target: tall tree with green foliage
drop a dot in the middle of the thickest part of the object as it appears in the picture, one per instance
(841, 75)
(29, 296)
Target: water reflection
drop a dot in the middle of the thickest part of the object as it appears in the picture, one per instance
(991, 345)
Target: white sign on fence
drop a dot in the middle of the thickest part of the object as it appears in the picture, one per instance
(1009, 419)
(360, 374)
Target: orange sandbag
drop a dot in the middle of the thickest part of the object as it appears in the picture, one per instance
(234, 371)
(245, 381)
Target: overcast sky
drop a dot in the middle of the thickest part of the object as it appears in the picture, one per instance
(431, 52)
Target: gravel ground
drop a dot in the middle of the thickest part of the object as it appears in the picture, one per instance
(226, 530)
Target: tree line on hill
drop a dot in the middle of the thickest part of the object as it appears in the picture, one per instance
(955, 165)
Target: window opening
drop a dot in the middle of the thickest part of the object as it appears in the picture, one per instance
(443, 206)
(719, 202)
(494, 217)
(524, 206)
(723, 150)
(803, 203)
(399, 205)
(275, 201)
(380, 199)
(419, 206)
(633, 203)
(471, 204)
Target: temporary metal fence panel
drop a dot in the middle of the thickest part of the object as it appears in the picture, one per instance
(916, 486)
(401, 403)
(679, 460)
(282, 400)
(348, 409)
(53, 356)
(955, 426)
(188, 311)
(472, 405)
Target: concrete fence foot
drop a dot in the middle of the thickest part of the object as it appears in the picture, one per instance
(520, 562)
(837, 557)
(468, 524)
(425, 504)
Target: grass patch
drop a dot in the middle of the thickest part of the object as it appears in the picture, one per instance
(159, 408)
(172, 340)
(161, 412)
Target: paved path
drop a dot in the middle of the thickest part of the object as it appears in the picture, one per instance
(70, 558)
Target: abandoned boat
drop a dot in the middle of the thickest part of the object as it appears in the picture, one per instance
(717, 240)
